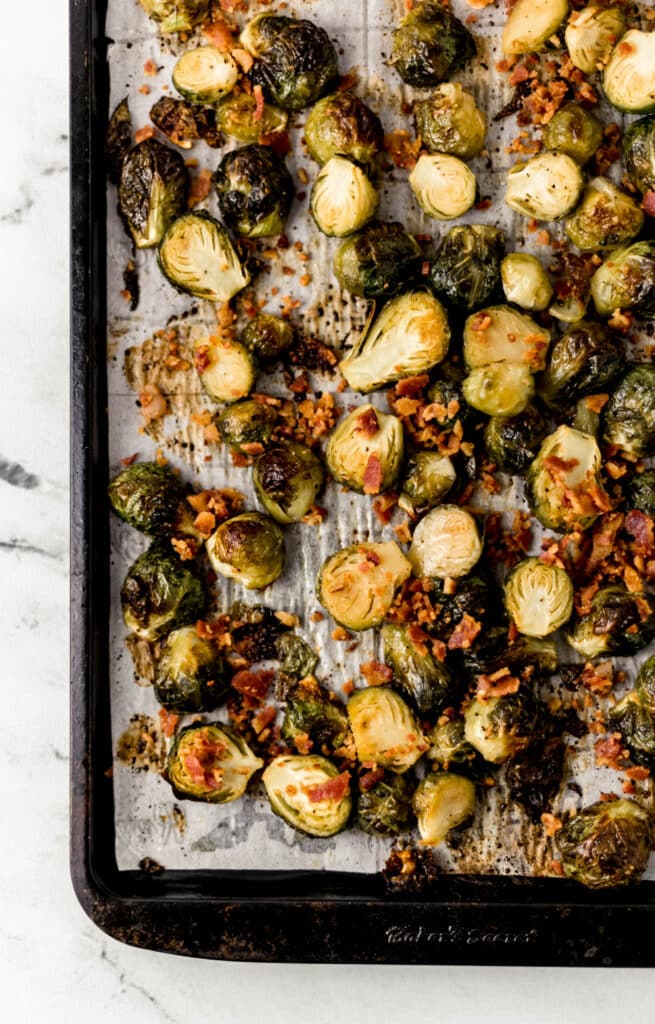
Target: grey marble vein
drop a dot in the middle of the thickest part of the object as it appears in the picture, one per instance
(24, 547)
(16, 475)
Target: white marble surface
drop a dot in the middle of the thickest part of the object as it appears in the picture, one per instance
(54, 965)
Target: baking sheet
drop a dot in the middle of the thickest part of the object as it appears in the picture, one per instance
(246, 834)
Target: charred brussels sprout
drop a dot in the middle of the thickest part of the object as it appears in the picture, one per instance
(525, 281)
(152, 499)
(428, 478)
(524, 656)
(500, 333)
(287, 479)
(423, 680)
(378, 261)
(365, 451)
(639, 153)
(184, 123)
(448, 394)
(342, 125)
(564, 486)
(591, 35)
(210, 763)
(176, 15)
(531, 23)
(295, 61)
(545, 187)
(607, 844)
(357, 584)
(118, 140)
(197, 257)
(342, 199)
(268, 336)
(226, 368)
(441, 802)
(190, 673)
(309, 794)
(499, 389)
(152, 191)
(159, 593)
(429, 45)
(634, 719)
(575, 131)
(254, 191)
(384, 729)
(466, 268)
(619, 622)
(641, 493)
(239, 117)
(606, 217)
(449, 121)
(538, 597)
(297, 660)
(512, 442)
(450, 749)
(501, 728)
(310, 716)
(246, 423)
(446, 543)
(628, 77)
(205, 74)
(444, 186)
(626, 280)
(585, 360)
(472, 597)
(629, 416)
(385, 808)
(248, 548)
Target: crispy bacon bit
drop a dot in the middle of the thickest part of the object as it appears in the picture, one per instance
(205, 523)
(150, 68)
(220, 34)
(263, 718)
(340, 634)
(303, 743)
(259, 103)
(218, 630)
(332, 789)
(402, 150)
(367, 423)
(153, 403)
(555, 465)
(412, 385)
(641, 527)
(146, 132)
(243, 59)
(253, 685)
(403, 532)
(373, 475)
(184, 548)
(550, 823)
(464, 633)
(129, 459)
(201, 185)
(375, 673)
(596, 403)
(384, 505)
(168, 721)
(369, 779)
(609, 751)
(278, 141)
(598, 678)
(638, 773)
(498, 684)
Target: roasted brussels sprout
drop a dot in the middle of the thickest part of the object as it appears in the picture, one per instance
(184, 123)
(448, 394)
(176, 15)
(365, 451)
(500, 728)
(190, 674)
(607, 844)
(152, 191)
(287, 479)
(384, 729)
(151, 498)
(472, 596)
(531, 23)
(444, 186)
(310, 716)
(500, 333)
(429, 476)
(573, 130)
(466, 268)
(239, 117)
(629, 416)
(585, 360)
(295, 61)
(357, 584)
(635, 720)
(309, 794)
(256, 631)
(512, 442)
(499, 389)
(641, 492)
(449, 749)
(639, 153)
(449, 121)
(159, 593)
(628, 80)
(118, 140)
(564, 487)
(545, 187)
(297, 660)
(441, 802)
(197, 257)
(525, 656)
(379, 261)
(430, 44)
(409, 336)
(525, 281)
(606, 217)
(385, 808)
(619, 622)
(205, 74)
(626, 280)
(248, 548)
(246, 423)
(254, 191)
(210, 763)
(538, 597)
(342, 199)
(446, 543)
(268, 336)
(591, 35)
(423, 680)
(342, 125)
(226, 368)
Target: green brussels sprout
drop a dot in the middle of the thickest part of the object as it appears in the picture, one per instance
(586, 418)
(424, 681)
(248, 548)
(311, 716)
(197, 257)
(645, 684)
(342, 199)
(466, 268)
(531, 23)
(205, 74)
(152, 191)
(379, 261)
(607, 844)
(309, 794)
(384, 729)
(176, 15)
(629, 416)
(635, 720)
(151, 498)
(287, 479)
(268, 336)
(190, 673)
(585, 360)
(628, 76)
(573, 130)
(441, 802)
(409, 336)
(512, 442)
(365, 451)
(619, 622)
(538, 597)
(499, 389)
(564, 486)
(546, 187)
(357, 584)
(525, 281)
(449, 121)
(429, 44)
(226, 368)
(525, 656)
(641, 493)
(295, 61)
(500, 333)
(591, 35)
(444, 186)
(254, 191)
(501, 728)
(210, 763)
(159, 593)
(429, 476)
(385, 809)
(449, 749)
(118, 140)
(472, 597)
(238, 116)
(639, 153)
(626, 280)
(343, 125)
(246, 423)
(448, 394)
(446, 543)
(184, 123)
(297, 659)
(606, 217)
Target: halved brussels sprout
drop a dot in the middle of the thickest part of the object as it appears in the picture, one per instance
(546, 187)
(538, 597)
(430, 44)
(159, 593)
(629, 416)
(205, 74)
(428, 478)
(409, 336)
(240, 117)
(365, 451)
(525, 281)
(626, 280)
(342, 199)
(592, 34)
(309, 794)
(384, 729)
(628, 80)
(297, 661)
(248, 548)
(606, 217)
(190, 673)
(379, 261)
(210, 763)
(573, 130)
(564, 486)
(441, 802)
(197, 256)
(423, 680)
(443, 185)
(531, 23)
(176, 15)
(466, 267)
(311, 716)
(152, 191)
(226, 368)
(619, 622)
(525, 656)
(151, 498)
(343, 125)
(446, 543)
(385, 809)
(268, 336)
(639, 153)
(512, 442)
(499, 389)
(585, 360)
(500, 333)
(607, 844)
(449, 121)
(450, 749)
(357, 584)
(184, 123)
(641, 493)
(246, 423)
(287, 479)
(254, 191)
(295, 61)
(500, 728)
